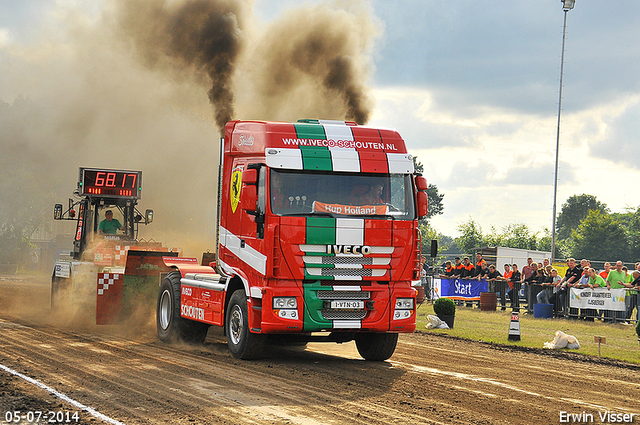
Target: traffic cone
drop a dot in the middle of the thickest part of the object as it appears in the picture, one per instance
(514, 326)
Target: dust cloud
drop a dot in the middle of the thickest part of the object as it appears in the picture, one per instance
(28, 298)
(147, 85)
(313, 61)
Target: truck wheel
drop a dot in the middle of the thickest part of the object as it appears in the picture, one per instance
(171, 327)
(242, 343)
(376, 346)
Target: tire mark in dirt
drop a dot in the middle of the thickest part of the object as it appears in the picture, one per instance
(606, 395)
(174, 365)
(144, 381)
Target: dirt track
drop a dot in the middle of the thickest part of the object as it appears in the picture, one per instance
(132, 378)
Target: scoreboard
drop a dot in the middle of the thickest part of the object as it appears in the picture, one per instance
(110, 183)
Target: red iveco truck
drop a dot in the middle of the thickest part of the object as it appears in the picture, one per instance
(318, 240)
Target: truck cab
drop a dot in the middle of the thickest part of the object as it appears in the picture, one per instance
(318, 238)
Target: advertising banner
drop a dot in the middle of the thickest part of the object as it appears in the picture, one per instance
(598, 298)
(350, 209)
(462, 289)
(62, 269)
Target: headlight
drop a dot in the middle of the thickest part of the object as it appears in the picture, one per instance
(404, 303)
(402, 314)
(285, 302)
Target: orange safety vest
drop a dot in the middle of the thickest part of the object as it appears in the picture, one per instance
(507, 276)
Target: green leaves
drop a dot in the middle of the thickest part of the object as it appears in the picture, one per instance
(600, 237)
(514, 235)
(574, 210)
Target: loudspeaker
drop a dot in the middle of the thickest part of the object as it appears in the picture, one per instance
(434, 247)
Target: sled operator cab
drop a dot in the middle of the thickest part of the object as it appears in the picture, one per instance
(105, 208)
(112, 270)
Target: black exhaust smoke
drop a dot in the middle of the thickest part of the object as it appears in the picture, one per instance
(310, 46)
(200, 37)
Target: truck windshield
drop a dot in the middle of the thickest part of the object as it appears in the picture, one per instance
(341, 194)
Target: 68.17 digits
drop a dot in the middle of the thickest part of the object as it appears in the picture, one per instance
(35, 416)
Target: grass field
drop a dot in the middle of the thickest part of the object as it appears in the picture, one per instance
(493, 326)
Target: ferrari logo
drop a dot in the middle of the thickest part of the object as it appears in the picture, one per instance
(236, 185)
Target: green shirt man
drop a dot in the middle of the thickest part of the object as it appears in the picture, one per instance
(110, 225)
(597, 281)
(616, 276)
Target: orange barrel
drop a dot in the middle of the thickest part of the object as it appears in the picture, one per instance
(488, 301)
(420, 296)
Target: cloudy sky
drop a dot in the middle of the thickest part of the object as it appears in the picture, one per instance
(471, 85)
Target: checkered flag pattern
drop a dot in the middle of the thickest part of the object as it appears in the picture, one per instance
(105, 280)
(120, 251)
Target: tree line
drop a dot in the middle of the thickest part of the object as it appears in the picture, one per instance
(585, 228)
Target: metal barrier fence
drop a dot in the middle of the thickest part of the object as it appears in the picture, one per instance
(527, 298)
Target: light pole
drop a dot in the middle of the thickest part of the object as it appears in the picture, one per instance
(567, 5)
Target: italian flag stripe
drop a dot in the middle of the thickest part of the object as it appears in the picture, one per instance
(310, 131)
(345, 160)
(313, 157)
(316, 158)
(338, 132)
(309, 150)
(334, 231)
(316, 277)
(350, 231)
(321, 231)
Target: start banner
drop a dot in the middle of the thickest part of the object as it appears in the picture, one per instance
(598, 298)
(462, 289)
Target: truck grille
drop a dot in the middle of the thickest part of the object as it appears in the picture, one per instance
(349, 260)
(345, 273)
(319, 264)
(344, 314)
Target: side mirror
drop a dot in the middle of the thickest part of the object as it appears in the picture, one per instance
(249, 198)
(148, 216)
(421, 183)
(57, 212)
(422, 204)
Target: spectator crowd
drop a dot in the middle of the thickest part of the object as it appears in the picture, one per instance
(542, 283)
